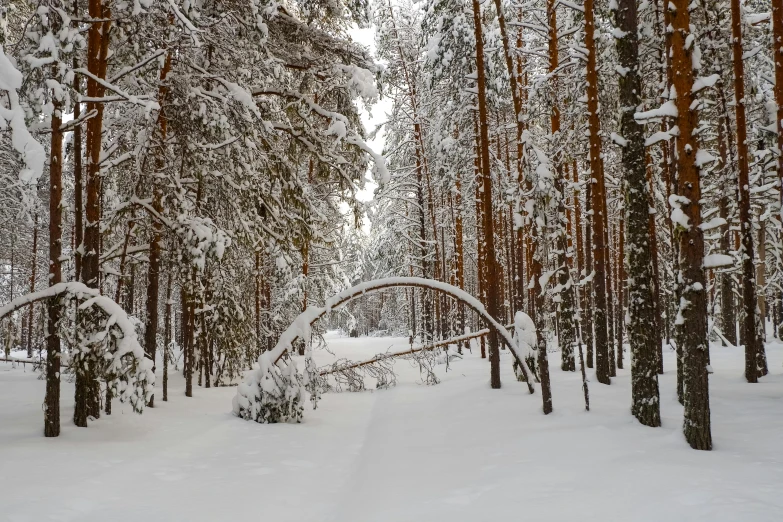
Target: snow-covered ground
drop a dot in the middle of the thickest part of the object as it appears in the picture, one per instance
(452, 452)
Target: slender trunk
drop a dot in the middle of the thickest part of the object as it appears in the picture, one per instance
(693, 303)
(620, 263)
(97, 54)
(589, 314)
(610, 302)
(728, 316)
(459, 250)
(78, 204)
(753, 346)
(777, 58)
(493, 305)
(481, 268)
(567, 330)
(33, 270)
(659, 320)
(580, 263)
(167, 338)
(187, 338)
(52, 401)
(598, 203)
(153, 274)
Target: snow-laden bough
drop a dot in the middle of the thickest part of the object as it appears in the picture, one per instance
(274, 392)
(127, 371)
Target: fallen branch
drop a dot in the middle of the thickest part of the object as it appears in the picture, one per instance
(385, 356)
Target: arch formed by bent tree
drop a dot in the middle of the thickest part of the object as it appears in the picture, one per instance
(300, 327)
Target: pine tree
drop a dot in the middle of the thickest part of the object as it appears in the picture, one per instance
(687, 216)
(598, 200)
(641, 303)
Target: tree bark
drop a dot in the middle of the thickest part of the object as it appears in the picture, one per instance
(693, 303)
(599, 203)
(567, 330)
(52, 401)
(153, 274)
(589, 317)
(641, 297)
(753, 346)
(33, 270)
(489, 240)
(97, 54)
(777, 58)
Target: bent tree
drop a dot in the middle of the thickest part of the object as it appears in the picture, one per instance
(272, 393)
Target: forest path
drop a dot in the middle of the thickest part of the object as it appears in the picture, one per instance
(456, 451)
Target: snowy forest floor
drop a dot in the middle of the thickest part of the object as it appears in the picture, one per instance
(456, 451)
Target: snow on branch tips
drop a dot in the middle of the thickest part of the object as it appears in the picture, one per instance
(12, 114)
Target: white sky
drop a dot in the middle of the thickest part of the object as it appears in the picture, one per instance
(379, 110)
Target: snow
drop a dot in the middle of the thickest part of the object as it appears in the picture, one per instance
(31, 150)
(667, 109)
(134, 387)
(525, 333)
(455, 452)
(718, 260)
(712, 224)
(703, 157)
(619, 140)
(361, 82)
(678, 217)
(250, 401)
(704, 82)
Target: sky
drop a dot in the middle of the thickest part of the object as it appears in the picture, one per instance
(367, 37)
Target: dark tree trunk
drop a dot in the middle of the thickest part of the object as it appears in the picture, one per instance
(167, 338)
(728, 315)
(641, 297)
(777, 58)
(52, 401)
(660, 320)
(78, 204)
(33, 271)
(753, 345)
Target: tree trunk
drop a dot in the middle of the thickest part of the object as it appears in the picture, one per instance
(481, 266)
(567, 331)
(599, 203)
(753, 346)
(693, 308)
(589, 317)
(153, 274)
(167, 337)
(78, 204)
(33, 270)
(460, 251)
(492, 279)
(52, 401)
(777, 58)
(97, 53)
(641, 297)
(660, 321)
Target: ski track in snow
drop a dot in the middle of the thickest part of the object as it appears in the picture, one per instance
(456, 451)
